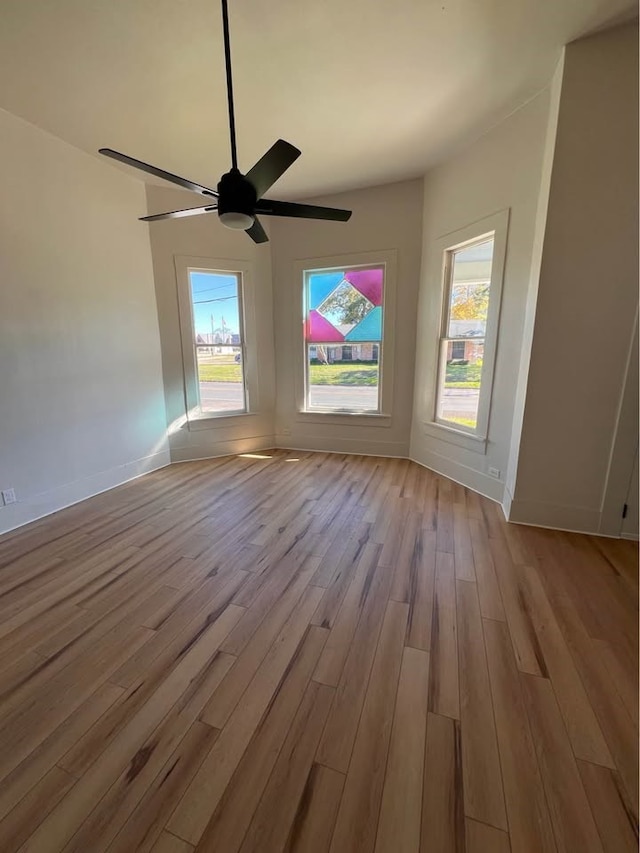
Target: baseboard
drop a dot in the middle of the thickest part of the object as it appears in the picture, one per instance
(46, 503)
(573, 519)
(355, 446)
(193, 452)
(291, 448)
(468, 477)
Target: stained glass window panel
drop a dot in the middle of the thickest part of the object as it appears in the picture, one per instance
(343, 336)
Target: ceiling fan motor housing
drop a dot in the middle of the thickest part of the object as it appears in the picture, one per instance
(236, 194)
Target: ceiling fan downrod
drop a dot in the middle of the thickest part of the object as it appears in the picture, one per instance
(227, 63)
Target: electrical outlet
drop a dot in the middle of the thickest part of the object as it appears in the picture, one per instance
(494, 472)
(9, 496)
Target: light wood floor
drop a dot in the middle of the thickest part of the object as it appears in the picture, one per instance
(314, 653)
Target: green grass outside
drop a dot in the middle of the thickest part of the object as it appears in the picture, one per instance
(219, 373)
(463, 376)
(343, 374)
(457, 375)
(468, 422)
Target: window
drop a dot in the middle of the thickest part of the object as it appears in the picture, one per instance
(217, 334)
(218, 340)
(467, 335)
(343, 338)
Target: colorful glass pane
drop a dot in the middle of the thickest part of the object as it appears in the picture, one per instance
(368, 329)
(368, 282)
(320, 330)
(321, 284)
(344, 305)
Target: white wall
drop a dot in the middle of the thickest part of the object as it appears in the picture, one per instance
(534, 277)
(384, 217)
(204, 237)
(81, 403)
(588, 290)
(502, 170)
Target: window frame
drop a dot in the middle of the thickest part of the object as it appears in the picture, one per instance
(495, 225)
(386, 352)
(184, 265)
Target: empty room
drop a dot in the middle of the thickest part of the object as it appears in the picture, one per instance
(318, 426)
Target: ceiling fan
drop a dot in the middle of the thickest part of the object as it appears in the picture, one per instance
(239, 198)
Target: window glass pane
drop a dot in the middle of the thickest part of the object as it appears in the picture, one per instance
(469, 293)
(216, 309)
(220, 378)
(343, 378)
(460, 386)
(217, 330)
(343, 326)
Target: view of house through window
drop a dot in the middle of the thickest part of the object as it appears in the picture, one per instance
(343, 339)
(464, 327)
(216, 299)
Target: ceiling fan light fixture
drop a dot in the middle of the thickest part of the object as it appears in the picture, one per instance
(237, 221)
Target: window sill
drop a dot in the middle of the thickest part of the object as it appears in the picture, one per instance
(207, 420)
(371, 419)
(476, 443)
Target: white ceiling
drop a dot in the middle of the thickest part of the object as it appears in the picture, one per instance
(372, 91)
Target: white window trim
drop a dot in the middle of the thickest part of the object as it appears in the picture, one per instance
(498, 223)
(388, 258)
(197, 419)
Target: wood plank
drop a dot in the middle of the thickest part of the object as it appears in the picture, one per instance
(315, 817)
(338, 643)
(483, 794)
(168, 843)
(526, 645)
(529, 822)
(358, 813)
(573, 824)
(27, 774)
(421, 591)
(482, 838)
(130, 748)
(88, 748)
(462, 550)
(273, 819)
(444, 695)
(625, 677)
(195, 613)
(231, 819)
(488, 588)
(582, 726)
(444, 511)
(339, 735)
(443, 821)
(401, 809)
(201, 799)
(18, 825)
(25, 728)
(614, 814)
(615, 722)
(145, 824)
(223, 701)
(341, 575)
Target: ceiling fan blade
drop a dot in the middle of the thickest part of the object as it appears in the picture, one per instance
(257, 232)
(177, 214)
(159, 173)
(304, 211)
(272, 166)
